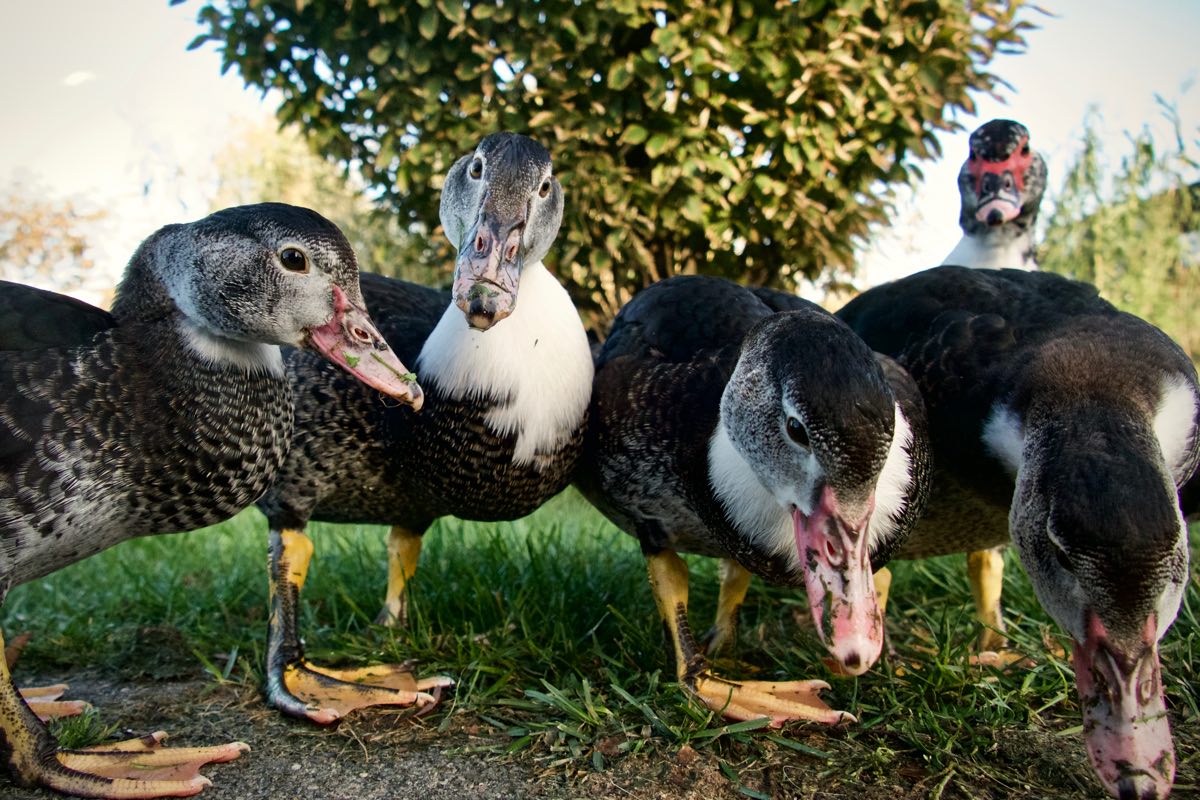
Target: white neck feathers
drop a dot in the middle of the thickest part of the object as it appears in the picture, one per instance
(250, 358)
(895, 480)
(535, 365)
(998, 251)
(1175, 423)
(751, 507)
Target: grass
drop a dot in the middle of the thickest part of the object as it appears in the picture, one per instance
(549, 628)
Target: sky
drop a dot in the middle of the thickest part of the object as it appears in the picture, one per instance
(103, 104)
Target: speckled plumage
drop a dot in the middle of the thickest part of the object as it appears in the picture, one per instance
(97, 446)
(655, 406)
(171, 413)
(113, 426)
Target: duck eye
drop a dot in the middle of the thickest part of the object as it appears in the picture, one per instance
(797, 432)
(476, 170)
(1062, 558)
(971, 156)
(1025, 150)
(544, 189)
(293, 259)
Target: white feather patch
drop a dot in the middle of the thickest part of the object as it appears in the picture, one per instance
(536, 360)
(993, 252)
(1004, 437)
(895, 479)
(252, 358)
(751, 507)
(1175, 421)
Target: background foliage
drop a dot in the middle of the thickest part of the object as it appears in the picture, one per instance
(262, 163)
(1134, 230)
(43, 241)
(749, 138)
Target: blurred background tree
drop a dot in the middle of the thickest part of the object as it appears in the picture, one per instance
(748, 138)
(1134, 230)
(45, 241)
(264, 162)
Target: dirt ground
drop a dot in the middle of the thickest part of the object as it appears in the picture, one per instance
(375, 757)
(382, 755)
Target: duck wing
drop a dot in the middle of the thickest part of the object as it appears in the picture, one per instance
(35, 319)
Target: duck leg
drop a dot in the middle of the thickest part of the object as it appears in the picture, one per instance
(985, 570)
(404, 550)
(137, 768)
(735, 582)
(740, 700)
(301, 689)
(43, 700)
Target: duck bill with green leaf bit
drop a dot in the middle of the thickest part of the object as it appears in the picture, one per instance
(488, 271)
(351, 341)
(1124, 714)
(837, 576)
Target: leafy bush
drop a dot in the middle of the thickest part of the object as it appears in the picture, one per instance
(1134, 231)
(749, 138)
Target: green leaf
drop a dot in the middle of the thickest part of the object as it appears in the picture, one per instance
(429, 24)
(634, 134)
(657, 145)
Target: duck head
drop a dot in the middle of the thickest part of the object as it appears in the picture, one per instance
(248, 279)
(501, 208)
(809, 410)
(1003, 178)
(1098, 528)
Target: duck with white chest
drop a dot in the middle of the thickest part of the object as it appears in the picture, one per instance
(507, 373)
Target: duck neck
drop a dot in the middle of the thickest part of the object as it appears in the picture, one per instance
(749, 506)
(531, 373)
(1008, 246)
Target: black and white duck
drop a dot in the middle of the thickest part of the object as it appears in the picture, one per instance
(1001, 186)
(755, 428)
(507, 386)
(1065, 426)
(170, 413)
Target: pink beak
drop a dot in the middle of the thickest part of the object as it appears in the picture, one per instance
(837, 574)
(351, 341)
(1124, 714)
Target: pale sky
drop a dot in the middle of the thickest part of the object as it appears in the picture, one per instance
(103, 103)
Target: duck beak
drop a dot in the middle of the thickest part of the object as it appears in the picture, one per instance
(999, 198)
(1124, 714)
(837, 575)
(488, 270)
(351, 341)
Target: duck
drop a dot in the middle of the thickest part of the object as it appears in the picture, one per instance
(1001, 186)
(756, 428)
(170, 412)
(1065, 426)
(506, 388)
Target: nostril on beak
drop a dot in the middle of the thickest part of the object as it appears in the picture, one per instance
(360, 334)
(480, 243)
(511, 252)
(852, 660)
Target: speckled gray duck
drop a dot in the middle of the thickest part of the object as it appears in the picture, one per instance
(172, 412)
(754, 427)
(1067, 426)
(506, 384)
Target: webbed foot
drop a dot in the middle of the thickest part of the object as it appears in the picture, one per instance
(781, 702)
(325, 695)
